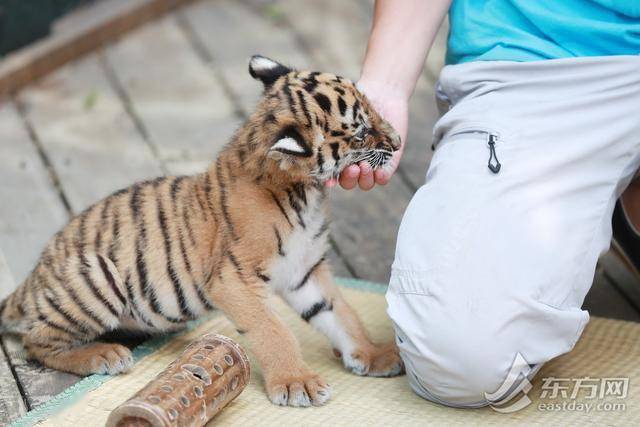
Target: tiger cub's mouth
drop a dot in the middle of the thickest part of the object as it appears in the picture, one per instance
(377, 158)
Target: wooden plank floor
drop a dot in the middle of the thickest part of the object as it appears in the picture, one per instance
(163, 100)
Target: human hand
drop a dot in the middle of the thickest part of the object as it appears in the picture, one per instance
(393, 106)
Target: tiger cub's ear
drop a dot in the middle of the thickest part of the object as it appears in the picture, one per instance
(266, 70)
(290, 142)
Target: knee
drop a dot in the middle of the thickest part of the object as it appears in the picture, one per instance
(456, 370)
(460, 354)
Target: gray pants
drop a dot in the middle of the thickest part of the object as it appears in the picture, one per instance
(498, 248)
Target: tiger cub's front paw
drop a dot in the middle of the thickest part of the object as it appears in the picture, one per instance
(298, 390)
(374, 361)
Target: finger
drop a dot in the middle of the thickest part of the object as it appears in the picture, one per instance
(330, 183)
(349, 177)
(365, 181)
(381, 177)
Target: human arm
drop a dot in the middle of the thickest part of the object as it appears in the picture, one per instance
(401, 36)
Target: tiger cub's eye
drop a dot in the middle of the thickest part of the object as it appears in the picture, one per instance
(362, 133)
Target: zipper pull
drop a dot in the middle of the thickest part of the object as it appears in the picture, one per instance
(493, 164)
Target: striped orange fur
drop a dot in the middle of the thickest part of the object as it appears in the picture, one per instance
(159, 253)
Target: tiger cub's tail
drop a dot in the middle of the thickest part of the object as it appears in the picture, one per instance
(12, 313)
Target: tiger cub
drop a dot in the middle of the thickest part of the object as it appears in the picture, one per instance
(159, 253)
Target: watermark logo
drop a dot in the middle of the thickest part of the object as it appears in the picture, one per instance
(585, 394)
(516, 384)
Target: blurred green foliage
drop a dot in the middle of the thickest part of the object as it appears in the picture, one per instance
(90, 100)
(23, 21)
(274, 12)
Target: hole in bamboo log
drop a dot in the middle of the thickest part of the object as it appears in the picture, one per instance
(199, 372)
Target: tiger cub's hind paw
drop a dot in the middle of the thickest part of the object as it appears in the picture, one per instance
(94, 358)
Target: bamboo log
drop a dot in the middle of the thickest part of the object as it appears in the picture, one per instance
(209, 374)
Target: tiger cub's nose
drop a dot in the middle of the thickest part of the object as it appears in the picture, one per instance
(394, 141)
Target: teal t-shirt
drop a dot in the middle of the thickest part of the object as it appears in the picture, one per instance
(530, 30)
